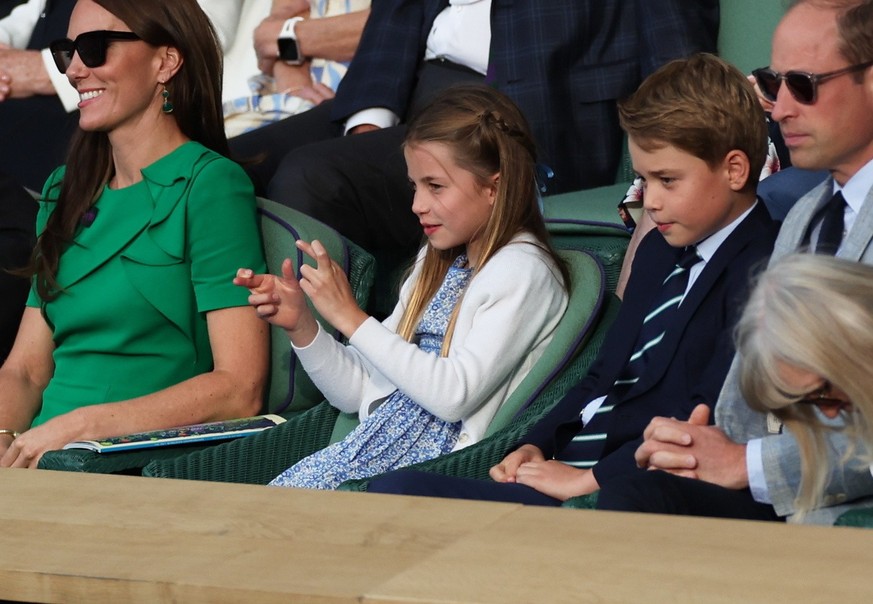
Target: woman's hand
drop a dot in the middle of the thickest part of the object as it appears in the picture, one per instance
(26, 450)
(280, 301)
(328, 288)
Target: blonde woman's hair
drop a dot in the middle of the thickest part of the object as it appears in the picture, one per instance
(813, 313)
(486, 134)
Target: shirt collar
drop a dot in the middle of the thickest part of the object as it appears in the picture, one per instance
(856, 188)
(709, 246)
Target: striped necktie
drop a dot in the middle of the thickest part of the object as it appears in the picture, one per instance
(587, 446)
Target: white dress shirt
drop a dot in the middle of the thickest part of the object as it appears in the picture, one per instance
(461, 33)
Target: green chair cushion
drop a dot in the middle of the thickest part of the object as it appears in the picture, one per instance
(583, 502)
(588, 220)
(859, 517)
(290, 390)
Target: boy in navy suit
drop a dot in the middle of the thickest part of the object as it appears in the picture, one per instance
(698, 138)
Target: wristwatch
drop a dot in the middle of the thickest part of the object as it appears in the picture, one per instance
(289, 49)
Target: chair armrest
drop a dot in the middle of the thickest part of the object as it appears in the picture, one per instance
(255, 459)
(126, 462)
(582, 502)
(859, 517)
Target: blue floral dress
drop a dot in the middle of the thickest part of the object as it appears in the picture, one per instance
(398, 433)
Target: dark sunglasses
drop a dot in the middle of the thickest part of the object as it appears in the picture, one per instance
(802, 85)
(90, 45)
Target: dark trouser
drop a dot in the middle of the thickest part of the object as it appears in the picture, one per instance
(261, 150)
(425, 484)
(17, 237)
(34, 135)
(663, 493)
(357, 184)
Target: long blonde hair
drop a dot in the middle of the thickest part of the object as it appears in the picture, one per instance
(487, 135)
(814, 313)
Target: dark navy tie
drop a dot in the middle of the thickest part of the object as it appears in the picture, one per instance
(830, 234)
(586, 447)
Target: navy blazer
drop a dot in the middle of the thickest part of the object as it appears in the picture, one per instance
(564, 62)
(692, 360)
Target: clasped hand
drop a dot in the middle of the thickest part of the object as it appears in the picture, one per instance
(282, 300)
(693, 449)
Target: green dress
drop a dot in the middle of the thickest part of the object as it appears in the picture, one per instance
(138, 282)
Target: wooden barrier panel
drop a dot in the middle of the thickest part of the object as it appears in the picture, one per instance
(70, 537)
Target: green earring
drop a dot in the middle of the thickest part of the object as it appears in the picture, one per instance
(167, 106)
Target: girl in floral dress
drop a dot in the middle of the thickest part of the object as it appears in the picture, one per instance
(477, 310)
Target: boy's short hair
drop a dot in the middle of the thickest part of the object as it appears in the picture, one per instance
(701, 105)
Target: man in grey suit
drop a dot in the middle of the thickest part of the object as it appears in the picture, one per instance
(821, 80)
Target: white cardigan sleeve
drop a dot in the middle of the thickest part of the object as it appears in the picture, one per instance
(341, 373)
(509, 308)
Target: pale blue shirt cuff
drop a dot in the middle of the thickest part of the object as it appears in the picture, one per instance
(378, 116)
(755, 469)
(591, 408)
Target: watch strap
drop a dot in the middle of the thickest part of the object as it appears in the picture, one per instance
(288, 28)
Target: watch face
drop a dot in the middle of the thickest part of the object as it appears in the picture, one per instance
(288, 50)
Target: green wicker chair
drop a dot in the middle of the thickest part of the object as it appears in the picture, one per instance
(290, 391)
(475, 460)
(582, 502)
(583, 220)
(860, 518)
(258, 459)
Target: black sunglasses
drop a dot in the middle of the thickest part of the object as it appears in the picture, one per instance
(802, 85)
(90, 45)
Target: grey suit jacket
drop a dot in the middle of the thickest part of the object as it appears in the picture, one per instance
(850, 485)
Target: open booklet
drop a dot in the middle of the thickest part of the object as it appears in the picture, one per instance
(227, 429)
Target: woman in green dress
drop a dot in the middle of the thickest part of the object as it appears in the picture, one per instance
(133, 322)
